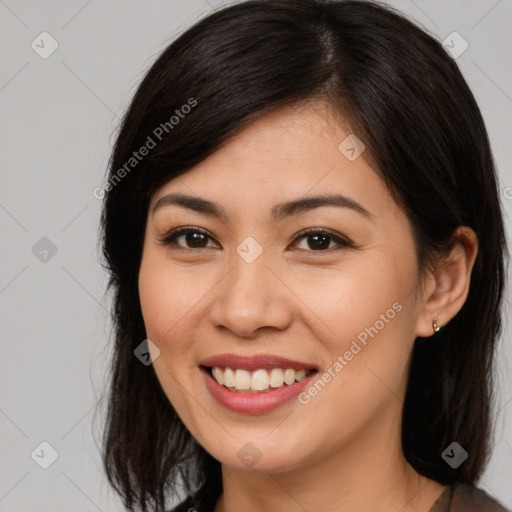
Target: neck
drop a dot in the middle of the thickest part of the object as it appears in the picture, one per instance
(369, 473)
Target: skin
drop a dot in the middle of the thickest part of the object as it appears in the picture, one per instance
(342, 450)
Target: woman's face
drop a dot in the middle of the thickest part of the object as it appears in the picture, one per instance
(250, 284)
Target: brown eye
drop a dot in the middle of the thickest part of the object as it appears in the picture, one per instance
(320, 239)
(192, 238)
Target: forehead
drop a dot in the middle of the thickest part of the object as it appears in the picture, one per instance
(293, 152)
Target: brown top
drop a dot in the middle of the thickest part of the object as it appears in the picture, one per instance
(466, 498)
(456, 498)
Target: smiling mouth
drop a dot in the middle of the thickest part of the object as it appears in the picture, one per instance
(263, 380)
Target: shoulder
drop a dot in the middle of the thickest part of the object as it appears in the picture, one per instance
(458, 498)
(468, 498)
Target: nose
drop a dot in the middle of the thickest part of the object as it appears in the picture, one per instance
(250, 298)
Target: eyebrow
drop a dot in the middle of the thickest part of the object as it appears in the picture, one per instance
(278, 211)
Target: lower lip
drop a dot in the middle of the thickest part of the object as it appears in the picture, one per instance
(254, 403)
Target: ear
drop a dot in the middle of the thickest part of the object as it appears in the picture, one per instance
(447, 289)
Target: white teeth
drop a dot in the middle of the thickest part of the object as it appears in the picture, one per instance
(289, 376)
(258, 380)
(242, 379)
(276, 378)
(300, 374)
(228, 378)
(217, 373)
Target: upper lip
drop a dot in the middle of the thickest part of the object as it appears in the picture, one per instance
(255, 362)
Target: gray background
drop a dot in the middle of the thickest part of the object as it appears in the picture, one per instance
(59, 117)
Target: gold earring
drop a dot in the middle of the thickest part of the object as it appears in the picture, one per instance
(435, 326)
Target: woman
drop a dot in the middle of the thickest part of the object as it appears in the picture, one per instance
(304, 237)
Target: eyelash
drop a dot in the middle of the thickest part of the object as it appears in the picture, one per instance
(171, 237)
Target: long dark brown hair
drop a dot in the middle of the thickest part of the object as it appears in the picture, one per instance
(407, 101)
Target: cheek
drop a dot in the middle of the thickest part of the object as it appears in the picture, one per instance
(367, 329)
(165, 303)
(345, 301)
(368, 344)
(165, 296)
